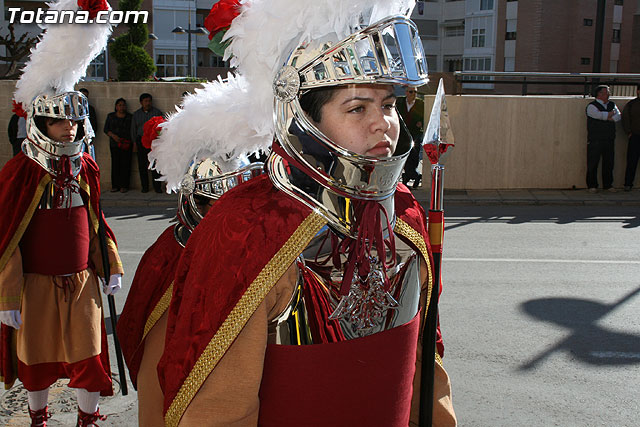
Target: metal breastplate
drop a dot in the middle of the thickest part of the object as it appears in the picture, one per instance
(295, 325)
(71, 198)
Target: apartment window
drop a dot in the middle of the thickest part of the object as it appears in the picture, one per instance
(96, 68)
(486, 4)
(616, 36)
(477, 64)
(585, 61)
(427, 28)
(510, 35)
(452, 64)
(477, 37)
(171, 64)
(588, 22)
(456, 31)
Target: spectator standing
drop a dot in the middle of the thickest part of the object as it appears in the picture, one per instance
(118, 128)
(17, 132)
(631, 126)
(93, 119)
(602, 115)
(411, 109)
(140, 117)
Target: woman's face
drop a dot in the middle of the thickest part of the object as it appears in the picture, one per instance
(121, 107)
(62, 130)
(362, 119)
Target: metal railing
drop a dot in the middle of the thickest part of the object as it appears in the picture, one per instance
(587, 80)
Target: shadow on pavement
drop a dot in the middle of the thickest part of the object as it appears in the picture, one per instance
(588, 342)
(118, 213)
(626, 216)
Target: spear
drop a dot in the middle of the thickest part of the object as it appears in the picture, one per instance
(437, 143)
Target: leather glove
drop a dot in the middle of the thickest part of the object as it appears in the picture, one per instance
(115, 283)
(11, 318)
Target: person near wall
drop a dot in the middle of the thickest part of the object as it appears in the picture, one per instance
(602, 115)
(411, 109)
(17, 131)
(313, 280)
(631, 126)
(140, 117)
(118, 128)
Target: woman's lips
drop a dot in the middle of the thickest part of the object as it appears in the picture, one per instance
(382, 148)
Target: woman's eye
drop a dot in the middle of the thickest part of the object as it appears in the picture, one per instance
(389, 106)
(358, 109)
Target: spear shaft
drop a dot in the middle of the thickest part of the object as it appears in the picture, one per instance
(429, 331)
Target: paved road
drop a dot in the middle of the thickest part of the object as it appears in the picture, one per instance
(540, 315)
(539, 311)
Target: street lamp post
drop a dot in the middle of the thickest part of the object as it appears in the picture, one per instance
(189, 31)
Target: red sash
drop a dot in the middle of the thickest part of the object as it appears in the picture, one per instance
(56, 242)
(361, 382)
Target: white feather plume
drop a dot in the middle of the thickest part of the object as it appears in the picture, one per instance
(61, 57)
(213, 122)
(235, 117)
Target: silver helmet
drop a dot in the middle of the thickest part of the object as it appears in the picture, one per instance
(47, 152)
(205, 181)
(387, 52)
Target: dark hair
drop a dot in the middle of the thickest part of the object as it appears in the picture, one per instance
(313, 101)
(599, 89)
(41, 123)
(116, 103)
(85, 91)
(145, 96)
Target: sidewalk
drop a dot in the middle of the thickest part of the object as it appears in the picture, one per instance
(580, 197)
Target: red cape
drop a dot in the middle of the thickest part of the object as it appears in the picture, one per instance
(271, 225)
(22, 182)
(152, 280)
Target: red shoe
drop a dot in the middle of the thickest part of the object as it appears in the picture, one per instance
(39, 418)
(89, 420)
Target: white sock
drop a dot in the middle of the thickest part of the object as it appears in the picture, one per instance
(88, 400)
(38, 399)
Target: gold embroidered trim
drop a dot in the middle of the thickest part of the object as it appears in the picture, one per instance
(241, 313)
(158, 311)
(406, 231)
(10, 298)
(439, 359)
(13, 244)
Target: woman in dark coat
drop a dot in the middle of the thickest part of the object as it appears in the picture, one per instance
(118, 129)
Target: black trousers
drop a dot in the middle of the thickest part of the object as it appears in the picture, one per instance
(633, 155)
(143, 167)
(120, 166)
(596, 150)
(411, 166)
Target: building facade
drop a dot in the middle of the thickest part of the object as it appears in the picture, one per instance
(528, 35)
(458, 35)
